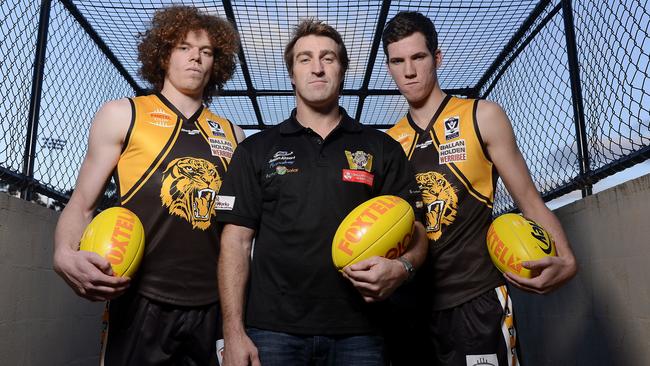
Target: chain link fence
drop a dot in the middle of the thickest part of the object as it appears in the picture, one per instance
(517, 53)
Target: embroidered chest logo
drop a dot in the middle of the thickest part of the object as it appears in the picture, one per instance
(452, 127)
(360, 163)
(161, 118)
(280, 163)
(440, 201)
(189, 188)
(216, 129)
(221, 147)
(283, 158)
(359, 160)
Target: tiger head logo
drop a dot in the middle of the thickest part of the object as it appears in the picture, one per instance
(189, 190)
(359, 160)
(440, 200)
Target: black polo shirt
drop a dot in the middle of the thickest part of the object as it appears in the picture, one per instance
(294, 188)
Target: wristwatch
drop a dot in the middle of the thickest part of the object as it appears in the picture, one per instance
(408, 267)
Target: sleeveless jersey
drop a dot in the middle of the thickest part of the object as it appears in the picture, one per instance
(169, 174)
(457, 180)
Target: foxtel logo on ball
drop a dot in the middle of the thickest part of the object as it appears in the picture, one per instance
(500, 251)
(363, 222)
(123, 229)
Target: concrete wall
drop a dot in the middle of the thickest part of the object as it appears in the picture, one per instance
(42, 321)
(602, 317)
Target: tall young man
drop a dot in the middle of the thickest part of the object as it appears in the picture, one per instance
(458, 148)
(289, 187)
(168, 154)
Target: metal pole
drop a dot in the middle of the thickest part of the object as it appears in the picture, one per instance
(576, 97)
(35, 102)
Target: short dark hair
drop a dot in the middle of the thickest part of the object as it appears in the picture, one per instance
(169, 27)
(314, 27)
(406, 23)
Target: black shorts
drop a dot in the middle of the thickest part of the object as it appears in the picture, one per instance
(144, 332)
(478, 332)
(405, 324)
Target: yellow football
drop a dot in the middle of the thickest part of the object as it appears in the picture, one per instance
(512, 239)
(117, 235)
(382, 226)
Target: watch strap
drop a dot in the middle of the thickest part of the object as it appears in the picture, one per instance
(408, 267)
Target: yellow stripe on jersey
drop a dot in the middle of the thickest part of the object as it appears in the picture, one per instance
(154, 129)
(209, 132)
(403, 133)
(476, 171)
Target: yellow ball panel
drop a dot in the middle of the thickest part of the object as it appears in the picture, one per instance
(513, 239)
(381, 226)
(117, 235)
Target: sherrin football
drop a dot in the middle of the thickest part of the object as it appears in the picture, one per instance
(117, 235)
(382, 226)
(512, 239)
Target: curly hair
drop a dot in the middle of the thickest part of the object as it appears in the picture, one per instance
(169, 27)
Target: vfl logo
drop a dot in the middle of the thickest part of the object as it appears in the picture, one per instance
(189, 188)
(440, 200)
(452, 127)
(216, 129)
(359, 160)
(545, 241)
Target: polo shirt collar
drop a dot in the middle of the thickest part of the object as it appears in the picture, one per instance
(291, 124)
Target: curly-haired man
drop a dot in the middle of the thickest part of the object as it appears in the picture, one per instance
(168, 154)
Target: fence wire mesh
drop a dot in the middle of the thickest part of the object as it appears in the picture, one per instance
(18, 30)
(512, 52)
(614, 52)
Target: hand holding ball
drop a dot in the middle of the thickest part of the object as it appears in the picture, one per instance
(117, 235)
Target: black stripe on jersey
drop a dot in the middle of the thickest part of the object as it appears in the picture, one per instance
(127, 138)
(441, 107)
(460, 174)
(154, 163)
(413, 145)
(478, 132)
(180, 115)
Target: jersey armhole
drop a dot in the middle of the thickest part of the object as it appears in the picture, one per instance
(478, 132)
(127, 138)
(232, 130)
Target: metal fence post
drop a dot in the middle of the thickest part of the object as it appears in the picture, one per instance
(576, 97)
(35, 102)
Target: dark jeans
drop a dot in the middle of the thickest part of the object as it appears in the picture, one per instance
(282, 349)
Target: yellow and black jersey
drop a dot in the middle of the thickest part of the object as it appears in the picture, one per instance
(169, 174)
(457, 180)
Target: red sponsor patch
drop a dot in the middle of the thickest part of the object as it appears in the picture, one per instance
(358, 176)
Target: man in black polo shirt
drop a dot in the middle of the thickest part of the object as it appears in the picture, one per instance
(286, 189)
